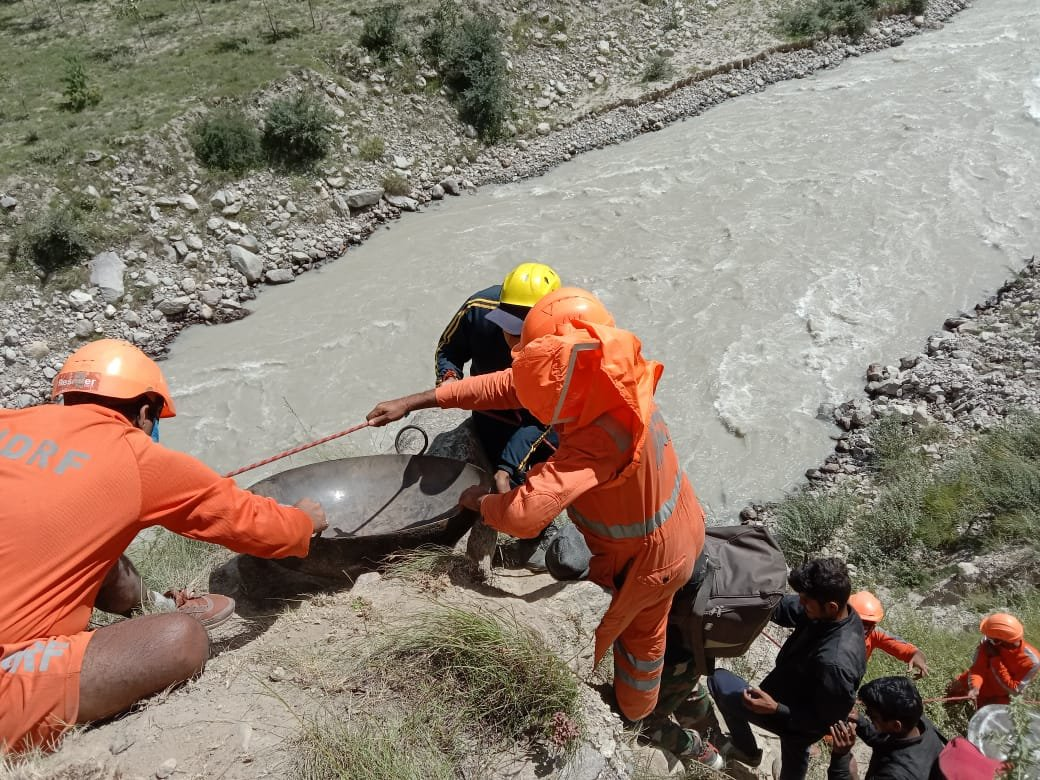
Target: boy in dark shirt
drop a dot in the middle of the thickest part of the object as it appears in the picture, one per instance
(905, 744)
(815, 678)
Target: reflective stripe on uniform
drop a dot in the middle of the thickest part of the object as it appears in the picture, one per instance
(632, 682)
(638, 664)
(632, 530)
(622, 438)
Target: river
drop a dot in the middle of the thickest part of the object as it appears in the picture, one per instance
(765, 252)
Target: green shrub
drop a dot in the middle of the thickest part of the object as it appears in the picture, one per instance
(917, 7)
(295, 130)
(56, 239)
(380, 31)
(474, 66)
(853, 17)
(371, 148)
(807, 522)
(802, 22)
(499, 673)
(79, 92)
(446, 20)
(396, 184)
(226, 140)
(658, 68)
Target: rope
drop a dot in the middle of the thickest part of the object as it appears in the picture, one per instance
(294, 450)
(778, 644)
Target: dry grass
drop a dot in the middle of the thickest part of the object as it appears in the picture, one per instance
(442, 694)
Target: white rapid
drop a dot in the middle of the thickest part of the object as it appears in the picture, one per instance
(765, 252)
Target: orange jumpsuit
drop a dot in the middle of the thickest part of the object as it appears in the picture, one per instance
(617, 475)
(999, 677)
(888, 643)
(78, 483)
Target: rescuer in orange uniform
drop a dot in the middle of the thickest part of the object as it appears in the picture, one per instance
(79, 481)
(871, 612)
(615, 472)
(1004, 663)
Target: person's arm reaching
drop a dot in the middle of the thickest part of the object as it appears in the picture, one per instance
(487, 391)
(185, 496)
(453, 347)
(577, 466)
(788, 612)
(901, 649)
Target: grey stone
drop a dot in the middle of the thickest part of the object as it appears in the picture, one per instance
(211, 297)
(249, 242)
(188, 285)
(173, 306)
(80, 301)
(403, 202)
(359, 199)
(7, 203)
(83, 329)
(106, 273)
(11, 339)
(213, 224)
(451, 185)
(543, 128)
(148, 279)
(187, 202)
(279, 276)
(245, 262)
(37, 350)
(436, 192)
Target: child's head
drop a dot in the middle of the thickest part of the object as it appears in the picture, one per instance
(1002, 629)
(893, 704)
(868, 607)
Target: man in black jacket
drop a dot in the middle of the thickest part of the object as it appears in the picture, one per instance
(905, 744)
(814, 682)
(482, 333)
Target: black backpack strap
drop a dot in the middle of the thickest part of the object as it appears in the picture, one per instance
(700, 603)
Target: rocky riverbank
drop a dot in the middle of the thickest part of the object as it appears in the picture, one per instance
(198, 251)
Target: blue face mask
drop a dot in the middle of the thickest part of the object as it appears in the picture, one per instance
(155, 429)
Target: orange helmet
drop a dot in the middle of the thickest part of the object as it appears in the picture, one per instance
(1002, 626)
(867, 606)
(566, 304)
(112, 368)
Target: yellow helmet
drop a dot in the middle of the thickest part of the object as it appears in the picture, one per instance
(522, 288)
(527, 283)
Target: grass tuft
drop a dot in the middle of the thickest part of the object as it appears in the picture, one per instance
(503, 674)
(807, 522)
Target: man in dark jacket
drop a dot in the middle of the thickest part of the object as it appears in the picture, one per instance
(483, 333)
(905, 744)
(814, 682)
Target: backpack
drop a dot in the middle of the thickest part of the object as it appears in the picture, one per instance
(738, 581)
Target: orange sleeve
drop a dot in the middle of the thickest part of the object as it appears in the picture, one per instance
(893, 645)
(184, 495)
(975, 674)
(582, 461)
(486, 391)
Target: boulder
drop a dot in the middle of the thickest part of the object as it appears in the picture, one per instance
(80, 301)
(106, 273)
(246, 263)
(174, 306)
(360, 199)
(279, 276)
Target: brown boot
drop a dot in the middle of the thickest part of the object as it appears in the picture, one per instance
(210, 609)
